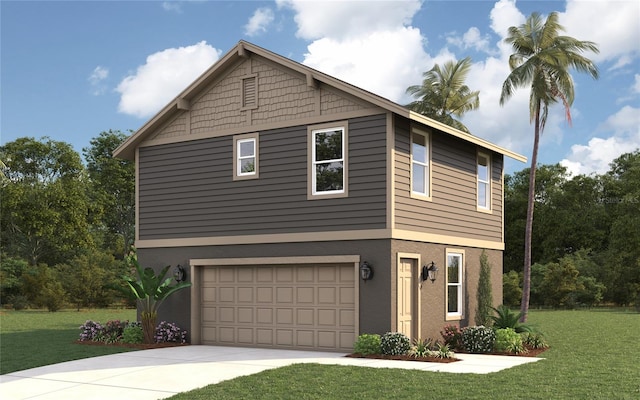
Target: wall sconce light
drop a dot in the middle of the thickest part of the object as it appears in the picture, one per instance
(366, 272)
(179, 274)
(430, 272)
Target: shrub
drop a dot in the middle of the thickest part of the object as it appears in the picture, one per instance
(367, 344)
(19, 302)
(394, 344)
(112, 331)
(508, 340)
(169, 332)
(90, 330)
(443, 351)
(535, 340)
(484, 295)
(452, 337)
(478, 339)
(421, 348)
(132, 334)
(505, 318)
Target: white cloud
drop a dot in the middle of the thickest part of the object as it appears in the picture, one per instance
(612, 25)
(384, 62)
(347, 19)
(471, 39)
(636, 85)
(504, 15)
(96, 80)
(259, 21)
(174, 6)
(598, 153)
(164, 75)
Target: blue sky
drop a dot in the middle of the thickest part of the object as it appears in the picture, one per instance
(70, 70)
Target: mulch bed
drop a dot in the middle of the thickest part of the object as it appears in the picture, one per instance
(530, 353)
(404, 358)
(141, 346)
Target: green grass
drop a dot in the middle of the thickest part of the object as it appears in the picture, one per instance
(594, 354)
(30, 339)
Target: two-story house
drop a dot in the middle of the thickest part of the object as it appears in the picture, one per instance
(281, 188)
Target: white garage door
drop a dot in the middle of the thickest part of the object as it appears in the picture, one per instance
(279, 306)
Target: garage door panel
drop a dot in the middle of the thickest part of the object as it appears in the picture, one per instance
(302, 306)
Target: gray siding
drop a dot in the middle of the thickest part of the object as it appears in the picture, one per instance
(187, 189)
(452, 210)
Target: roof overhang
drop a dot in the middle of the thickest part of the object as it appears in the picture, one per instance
(244, 50)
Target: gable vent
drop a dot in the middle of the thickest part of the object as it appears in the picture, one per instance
(249, 92)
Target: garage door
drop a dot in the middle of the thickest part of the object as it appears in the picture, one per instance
(279, 306)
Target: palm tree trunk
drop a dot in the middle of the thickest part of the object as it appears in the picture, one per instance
(526, 279)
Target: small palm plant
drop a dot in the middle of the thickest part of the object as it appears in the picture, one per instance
(150, 290)
(505, 318)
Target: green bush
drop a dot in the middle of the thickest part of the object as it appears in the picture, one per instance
(508, 340)
(421, 348)
(535, 340)
(132, 334)
(478, 339)
(452, 337)
(443, 351)
(484, 295)
(367, 344)
(394, 344)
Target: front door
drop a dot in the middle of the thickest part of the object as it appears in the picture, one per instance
(406, 297)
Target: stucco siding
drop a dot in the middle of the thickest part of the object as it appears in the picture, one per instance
(452, 209)
(187, 189)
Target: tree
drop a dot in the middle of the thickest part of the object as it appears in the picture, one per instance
(44, 201)
(443, 94)
(112, 183)
(542, 59)
(485, 297)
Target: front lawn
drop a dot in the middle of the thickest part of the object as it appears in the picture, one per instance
(594, 355)
(34, 338)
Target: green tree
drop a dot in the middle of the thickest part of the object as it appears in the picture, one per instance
(11, 270)
(112, 188)
(484, 295)
(622, 200)
(90, 278)
(542, 59)
(560, 283)
(43, 287)
(443, 94)
(511, 290)
(44, 201)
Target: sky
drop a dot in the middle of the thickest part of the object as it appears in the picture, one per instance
(72, 69)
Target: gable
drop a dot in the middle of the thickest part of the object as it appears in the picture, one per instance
(253, 94)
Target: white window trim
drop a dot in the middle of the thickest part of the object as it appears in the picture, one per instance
(312, 194)
(237, 170)
(427, 165)
(479, 182)
(458, 315)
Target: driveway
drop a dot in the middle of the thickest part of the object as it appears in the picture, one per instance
(161, 373)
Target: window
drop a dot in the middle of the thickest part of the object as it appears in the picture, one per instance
(328, 162)
(245, 154)
(484, 182)
(420, 164)
(454, 285)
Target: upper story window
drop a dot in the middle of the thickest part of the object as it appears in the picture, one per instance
(484, 181)
(245, 154)
(420, 171)
(328, 166)
(455, 277)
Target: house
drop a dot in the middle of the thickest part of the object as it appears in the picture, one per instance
(280, 188)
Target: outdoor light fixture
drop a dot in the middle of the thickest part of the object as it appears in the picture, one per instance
(179, 274)
(430, 272)
(366, 272)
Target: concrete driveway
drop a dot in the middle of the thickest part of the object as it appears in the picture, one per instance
(161, 373)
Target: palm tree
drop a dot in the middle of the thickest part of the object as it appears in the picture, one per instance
(443, 93)
(542, 59)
